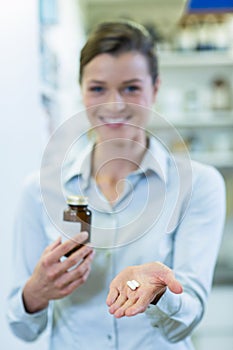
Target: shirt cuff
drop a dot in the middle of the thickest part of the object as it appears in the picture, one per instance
(168, 305)
(24, 323)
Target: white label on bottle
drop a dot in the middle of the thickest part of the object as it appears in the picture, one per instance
(70, 229)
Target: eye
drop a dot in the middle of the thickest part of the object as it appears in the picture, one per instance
(96, 89)
(131, 88)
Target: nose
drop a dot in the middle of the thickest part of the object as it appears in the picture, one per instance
(115, 102)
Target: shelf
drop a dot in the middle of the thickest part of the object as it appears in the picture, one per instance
(217, 159)
(187, 124)
(220, 119)
(192, 58)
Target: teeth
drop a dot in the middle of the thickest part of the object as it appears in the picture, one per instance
(113, 120)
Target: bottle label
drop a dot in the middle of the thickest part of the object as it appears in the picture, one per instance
(70, 229)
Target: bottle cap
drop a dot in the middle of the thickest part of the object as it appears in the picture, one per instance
(77, 200)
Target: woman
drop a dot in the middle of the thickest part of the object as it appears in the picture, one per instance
(135, 193)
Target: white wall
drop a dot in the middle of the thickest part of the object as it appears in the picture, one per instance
(21, 131)
(22, 121)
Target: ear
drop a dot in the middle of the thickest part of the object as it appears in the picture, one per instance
(156, 87)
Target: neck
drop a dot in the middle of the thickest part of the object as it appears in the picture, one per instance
(115, 159)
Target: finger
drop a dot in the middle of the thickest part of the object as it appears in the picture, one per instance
(70, 277)
(53, 245)
(112, 296)
(80, 270)
(118, 303)
(70, 287)
(77, 273)
(77, 257)
(139, 306)
(123, 309)
(67, 246)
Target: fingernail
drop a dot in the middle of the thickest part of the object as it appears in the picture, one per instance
(84, 234)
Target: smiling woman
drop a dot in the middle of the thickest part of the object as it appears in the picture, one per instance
(156, 220)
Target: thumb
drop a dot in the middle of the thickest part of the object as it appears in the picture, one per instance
(175, 286)
(171, 282)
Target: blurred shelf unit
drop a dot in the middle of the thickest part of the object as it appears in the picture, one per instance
(186, 59)
(195, 105)
(206, 119)
(196, 99)
(217, 159)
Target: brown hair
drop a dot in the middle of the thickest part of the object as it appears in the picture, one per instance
(117, 37)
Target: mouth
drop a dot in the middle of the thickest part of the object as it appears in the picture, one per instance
(114, 120)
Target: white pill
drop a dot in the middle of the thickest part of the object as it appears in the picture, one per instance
(136, 283)
(131, 285)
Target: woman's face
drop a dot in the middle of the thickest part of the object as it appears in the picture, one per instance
(117, 88)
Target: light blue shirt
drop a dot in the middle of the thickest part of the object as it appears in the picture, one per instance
(171, 212)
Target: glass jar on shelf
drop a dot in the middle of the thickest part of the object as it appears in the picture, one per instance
(221, 94)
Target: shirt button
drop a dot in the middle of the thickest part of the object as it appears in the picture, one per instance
(108, 254)
(109, 337)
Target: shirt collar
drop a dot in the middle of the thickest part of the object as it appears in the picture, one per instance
(79, 161)
(156, 159)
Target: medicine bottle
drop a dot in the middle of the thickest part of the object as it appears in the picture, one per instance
(77, 213)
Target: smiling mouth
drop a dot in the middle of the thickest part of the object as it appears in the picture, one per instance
(114, 120)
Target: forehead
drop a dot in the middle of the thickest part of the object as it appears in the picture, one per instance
(128, 65)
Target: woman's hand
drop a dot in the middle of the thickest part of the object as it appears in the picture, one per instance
(153, 277)
(55, 279)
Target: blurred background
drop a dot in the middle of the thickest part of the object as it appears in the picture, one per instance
(40, 43)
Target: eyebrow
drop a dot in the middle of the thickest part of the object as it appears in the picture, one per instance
(136, 80)
(132, 81)
(96, 82)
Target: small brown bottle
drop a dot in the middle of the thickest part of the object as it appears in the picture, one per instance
(79, 213)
